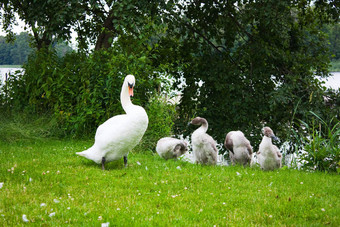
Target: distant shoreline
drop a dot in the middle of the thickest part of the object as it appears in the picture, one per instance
(10, 66)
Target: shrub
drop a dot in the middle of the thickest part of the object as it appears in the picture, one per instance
(321, 144)
(162, 115)
(81, 91)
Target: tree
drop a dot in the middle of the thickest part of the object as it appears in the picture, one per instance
(48, 21)
(250, 63)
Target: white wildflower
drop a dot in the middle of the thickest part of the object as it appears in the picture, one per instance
(238, 174)
(51, 214)
(178, 167)
(301, 182)
(1, 184)
(30, 180)
(323, 209)
(100, 218)
(24, 218)
(42, 204)
(138, 163)
(106, 224)
(270, 216)
(118, 208)
(56, 201)
(146, 168)
(270, 184)
(68, 208)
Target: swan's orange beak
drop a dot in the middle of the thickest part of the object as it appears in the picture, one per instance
(130, 91)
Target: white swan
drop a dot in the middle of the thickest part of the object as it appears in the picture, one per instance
(171, 148)
(203, 145)
(119, 134)
(269, 156)
(239, 147)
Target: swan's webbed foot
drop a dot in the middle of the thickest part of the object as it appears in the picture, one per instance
(103, 163)
(125, 161)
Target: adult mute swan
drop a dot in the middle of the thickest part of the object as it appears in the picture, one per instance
(171, 148)
(269, 156)
(203, 145)
(119, 134)
(239, 147)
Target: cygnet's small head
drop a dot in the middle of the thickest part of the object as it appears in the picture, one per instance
(268, 132)
(198, 121)
(181, 148)
(130, 82)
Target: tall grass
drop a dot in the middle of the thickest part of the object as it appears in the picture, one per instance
(320, 142)
(27, 127)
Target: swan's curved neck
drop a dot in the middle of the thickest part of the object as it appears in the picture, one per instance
(204, 126)
(125, 98)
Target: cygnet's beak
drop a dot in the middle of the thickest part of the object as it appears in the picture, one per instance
(275, 138)
(189, 123)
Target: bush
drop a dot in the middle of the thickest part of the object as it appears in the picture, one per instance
(162, 115)
(80, 91)
(321, 143)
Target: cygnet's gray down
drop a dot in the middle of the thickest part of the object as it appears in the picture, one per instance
(171, 148)
(203, 145)
(239, 147)
(269, 156)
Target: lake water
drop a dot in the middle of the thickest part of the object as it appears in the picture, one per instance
(331, 82)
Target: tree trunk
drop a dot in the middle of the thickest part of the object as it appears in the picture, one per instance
(105, 38)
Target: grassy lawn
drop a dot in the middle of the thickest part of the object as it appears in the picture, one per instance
(52, 186)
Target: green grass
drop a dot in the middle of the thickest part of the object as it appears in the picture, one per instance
(154, 192)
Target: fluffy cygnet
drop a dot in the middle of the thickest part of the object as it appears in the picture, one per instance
(171, 148)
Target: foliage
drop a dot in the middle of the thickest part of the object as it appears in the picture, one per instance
(17, 53)
(333, 33)
(247, 64)
(335, 66)
(321, 143)
(153, 192)
(49, 21)
(162, 115)
(83, 91)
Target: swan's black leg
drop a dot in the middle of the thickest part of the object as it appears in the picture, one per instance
(125, 161)
(103, 163)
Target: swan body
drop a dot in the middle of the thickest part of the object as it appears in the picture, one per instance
(119, 134)
(203, 145)
(239, 147)
(171, 148)
(269, 156)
